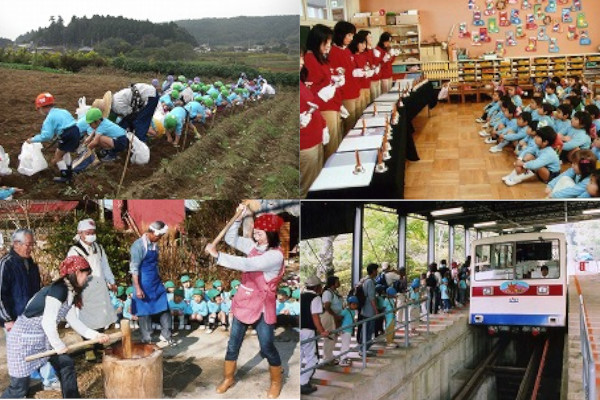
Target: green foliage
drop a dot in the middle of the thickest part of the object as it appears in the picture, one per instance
(69, 61)
(115, 243)
(24, 67)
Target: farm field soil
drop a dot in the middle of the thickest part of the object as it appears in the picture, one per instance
(19, 121)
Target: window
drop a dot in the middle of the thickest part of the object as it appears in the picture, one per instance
(538, 259)
(316, 9)
(332, 10)
(494, 261)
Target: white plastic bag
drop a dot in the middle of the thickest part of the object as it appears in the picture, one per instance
(31, 159)
(82, 109)
(443, 95)
(4, 162)
(140, 152)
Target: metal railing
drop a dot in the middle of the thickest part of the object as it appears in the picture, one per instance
(589, 365)
(361, 324)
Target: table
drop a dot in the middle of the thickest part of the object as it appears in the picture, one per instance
(390, 185)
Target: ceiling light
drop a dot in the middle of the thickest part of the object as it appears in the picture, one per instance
(447, 211)
(484, 224)
(592, 211)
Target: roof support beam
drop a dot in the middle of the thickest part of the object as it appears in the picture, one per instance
(357, 244)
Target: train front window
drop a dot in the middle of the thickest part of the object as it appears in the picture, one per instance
(538, 259)
(494, 261)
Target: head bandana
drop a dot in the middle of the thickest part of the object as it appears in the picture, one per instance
(73, 264)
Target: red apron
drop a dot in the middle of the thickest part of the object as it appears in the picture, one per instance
(255, 295)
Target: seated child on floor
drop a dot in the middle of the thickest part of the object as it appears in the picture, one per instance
(594, 111)
(509, 124)
(577, 137)
(178, 309)
(491, 107)
(593, 187)
(544, 162)
(188, 290)
(514, 92)
(550, 97)
(198, 308)
(562, 119)
(534, 104)
(214, 307)
(545, 115)
(513, 136)
(573, 182)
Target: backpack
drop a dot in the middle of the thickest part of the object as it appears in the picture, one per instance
(359, 293)
(380, 280)
(431, 281)
(400, 286)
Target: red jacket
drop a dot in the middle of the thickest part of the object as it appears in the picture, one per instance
(360, 61)
(386, 66)
(375, 61)
(312, 135)
(339, 57)
(319, 76)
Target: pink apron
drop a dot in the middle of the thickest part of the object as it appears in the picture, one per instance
(255, 295)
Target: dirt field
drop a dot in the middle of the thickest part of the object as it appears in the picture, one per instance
(19, 121)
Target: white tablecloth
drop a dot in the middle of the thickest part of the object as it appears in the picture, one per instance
(338, 171)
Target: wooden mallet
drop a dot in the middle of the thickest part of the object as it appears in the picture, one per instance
(252, 208)
(124, 334)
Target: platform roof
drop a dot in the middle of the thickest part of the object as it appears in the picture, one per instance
(337, 217)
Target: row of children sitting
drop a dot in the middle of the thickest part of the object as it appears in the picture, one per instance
(288, 307)
(543, 136)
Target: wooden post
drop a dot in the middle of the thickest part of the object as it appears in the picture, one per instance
(125, 328)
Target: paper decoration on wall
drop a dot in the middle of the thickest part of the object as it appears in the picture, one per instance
(477, 21)
(500, 49)
(501, 5)
(551, 7)
(572, 33)
(476, 39)
(531, 45)
(537, 11)
(584, 40)
(510, 38)
(483, 35)
(525, 5)
(563, 1)
(542, 35)
(576, 5)
(581, 22)
(471, 4)
(493, 26)
(513, 1)
(462, 31)
(504, 21)
(531, 25)
(520, 32)
(489, 8)
(514, 17)
(553, 46)
(547, 20)
(566, 16)
(557, 27)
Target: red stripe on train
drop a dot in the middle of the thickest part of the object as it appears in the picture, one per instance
(553, 290)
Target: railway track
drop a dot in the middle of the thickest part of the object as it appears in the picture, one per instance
(534, 375)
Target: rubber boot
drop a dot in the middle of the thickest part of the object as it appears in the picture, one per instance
(276, 382)
(65, 175)
(228, 373)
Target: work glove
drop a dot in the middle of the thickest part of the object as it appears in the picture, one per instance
(339, 80)
(344, 112)
(358, 73)
(387, 57)
(376, 53)
(327, 93)
(325, 136)
(377, 69)
(370, 73)
(305, 119)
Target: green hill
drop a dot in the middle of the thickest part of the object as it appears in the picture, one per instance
(245, 31)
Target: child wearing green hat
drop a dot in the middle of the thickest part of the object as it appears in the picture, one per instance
(117, 300)
(178, 309)
(214, 307)
(198, 307)
(170, 286)
(128, 313)
(188, 290)
(225, 314)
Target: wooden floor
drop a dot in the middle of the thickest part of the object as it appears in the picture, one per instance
(456, 164)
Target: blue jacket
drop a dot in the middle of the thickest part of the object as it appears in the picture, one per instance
(17, 285)
(579, 138)
(578, 190)
(546, 157)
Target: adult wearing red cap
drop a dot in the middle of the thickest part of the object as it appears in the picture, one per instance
(35, 331)
(254, 302)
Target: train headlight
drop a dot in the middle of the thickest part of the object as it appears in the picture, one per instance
(542, 290)
(488, 291)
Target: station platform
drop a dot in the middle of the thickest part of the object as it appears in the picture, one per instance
(588, 285)
(423, 370)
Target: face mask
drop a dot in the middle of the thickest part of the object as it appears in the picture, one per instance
(90, 238)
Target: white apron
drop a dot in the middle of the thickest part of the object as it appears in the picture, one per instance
(97, 311)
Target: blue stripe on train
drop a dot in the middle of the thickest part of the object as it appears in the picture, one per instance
(515, 319)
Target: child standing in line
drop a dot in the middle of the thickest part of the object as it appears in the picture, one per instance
(573, 182)
(462, 290)
(578, 136)
(545, 164)
(445, 295)
(348, 316)
(510, 136)
(199, 309)
(389, 305)
(415, 309)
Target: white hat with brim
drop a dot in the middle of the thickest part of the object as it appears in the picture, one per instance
(312, 281)
(104, 104)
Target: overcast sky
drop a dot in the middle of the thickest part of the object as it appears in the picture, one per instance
(20, 16)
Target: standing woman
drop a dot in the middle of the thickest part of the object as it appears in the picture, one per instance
(358, 48)
(254, 302)
(387, 60)
(375, 59)
(98, 311)
(313, 135)
(319, 80)
(341, 57)
(35, 331)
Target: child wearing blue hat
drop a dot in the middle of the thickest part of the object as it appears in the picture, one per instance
(414, 295)
(389, 306)
(445, 295)
(199, 308)
(348, 316)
